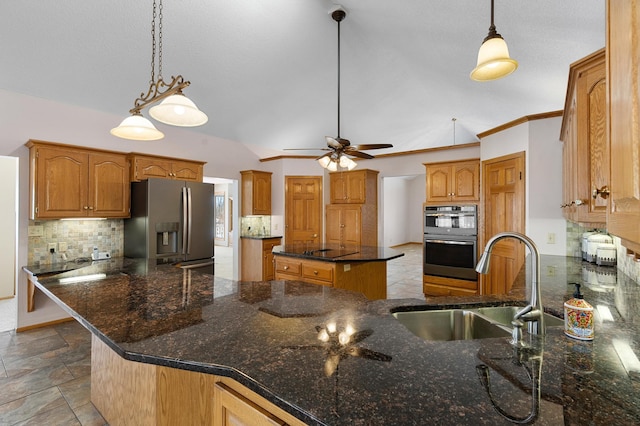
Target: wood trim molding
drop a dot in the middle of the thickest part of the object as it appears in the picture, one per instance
(520, 120)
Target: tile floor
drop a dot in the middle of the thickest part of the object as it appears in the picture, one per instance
(45, 374)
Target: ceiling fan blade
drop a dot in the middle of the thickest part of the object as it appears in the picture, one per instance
(306, 149)
(332, 142)
(328, 154)
(372, 146)
(359, 154)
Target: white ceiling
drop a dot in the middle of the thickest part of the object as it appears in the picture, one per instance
(265, 71)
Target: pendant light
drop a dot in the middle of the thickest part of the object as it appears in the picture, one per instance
(493, 57)
(175, 109)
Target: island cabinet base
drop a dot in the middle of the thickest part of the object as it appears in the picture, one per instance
(134, 393)
(440, 286)
(368, 278)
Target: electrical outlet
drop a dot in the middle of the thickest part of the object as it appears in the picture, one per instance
(551, 238)
(347, 267)
(52, 247)
(62, 246)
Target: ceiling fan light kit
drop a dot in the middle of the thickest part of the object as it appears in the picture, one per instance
(493, 57)
(175, 108)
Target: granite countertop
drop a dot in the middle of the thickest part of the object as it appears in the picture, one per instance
(260, 237)
(336, 253)
(265, 336)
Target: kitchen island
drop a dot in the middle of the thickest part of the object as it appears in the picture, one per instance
(264, 336)
(356, 268)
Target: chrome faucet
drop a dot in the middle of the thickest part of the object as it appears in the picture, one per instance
(533, 312)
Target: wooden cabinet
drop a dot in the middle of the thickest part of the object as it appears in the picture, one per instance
(150, 166)
(586, 147)
(440, 286)
(366, 277)
(68, 181)
(235, 405)
(623, 96)
(354, 187)
(352, 216)
(256, 193)
(455, 182)
(354, 225)
(257, 258)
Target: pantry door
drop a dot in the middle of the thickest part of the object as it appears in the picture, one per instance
(503, 183)
(303, 209)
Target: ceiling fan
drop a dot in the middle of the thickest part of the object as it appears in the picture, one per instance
(340, 148)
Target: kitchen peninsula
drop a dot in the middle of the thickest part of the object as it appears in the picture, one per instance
(356, 268)
(184, 342)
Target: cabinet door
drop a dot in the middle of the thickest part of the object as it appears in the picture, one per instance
(337, 188)
(233, 409)
(466, 181)
(109, 186)
(149, 167)
(61, 183)
(438, 183)
(623, 62)
(262, 194)
(356, 187)
(351, 223)
(333, 225)
(188, 171)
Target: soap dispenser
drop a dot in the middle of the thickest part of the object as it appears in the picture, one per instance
(578, 317)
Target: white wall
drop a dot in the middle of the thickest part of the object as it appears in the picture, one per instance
(9, 220)
(543, 177)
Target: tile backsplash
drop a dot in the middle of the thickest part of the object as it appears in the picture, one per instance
(625, 263)
(79, 235)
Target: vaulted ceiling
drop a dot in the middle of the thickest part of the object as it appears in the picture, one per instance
(265, 72)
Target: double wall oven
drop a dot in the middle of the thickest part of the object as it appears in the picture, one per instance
(450, 241)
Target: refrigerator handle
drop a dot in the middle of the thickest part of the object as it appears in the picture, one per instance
(185, 221)
(190, 220)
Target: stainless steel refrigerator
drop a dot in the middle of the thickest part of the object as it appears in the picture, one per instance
(171, 221)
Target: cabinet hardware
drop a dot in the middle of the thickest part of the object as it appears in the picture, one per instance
(285, 268)
(603, 192)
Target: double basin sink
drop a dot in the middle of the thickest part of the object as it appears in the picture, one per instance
(465, 324)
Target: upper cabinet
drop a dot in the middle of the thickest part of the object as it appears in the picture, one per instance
(623, 77)
(256, 193)
(149, 166)
(353, 187)
(453, 182)
(586, 147)
(68, 181)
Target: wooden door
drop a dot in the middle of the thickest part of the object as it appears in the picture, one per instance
(333, 224)
(623, 65)
(61, 182)
(438, 184)
(351, 222)
(108, 185)
(303, 209)
(504, 210)
(465, 181)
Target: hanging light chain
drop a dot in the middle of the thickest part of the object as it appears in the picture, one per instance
(153, 45)
(160, 40)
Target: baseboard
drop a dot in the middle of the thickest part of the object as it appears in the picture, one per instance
(43, 324)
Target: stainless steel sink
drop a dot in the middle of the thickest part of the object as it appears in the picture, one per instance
(504, 315)
(450, 324)
(464, 324)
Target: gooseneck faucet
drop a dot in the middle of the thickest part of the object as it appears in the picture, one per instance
(533, 312)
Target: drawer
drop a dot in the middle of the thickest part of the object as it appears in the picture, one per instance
(289, 267)
(318, 271)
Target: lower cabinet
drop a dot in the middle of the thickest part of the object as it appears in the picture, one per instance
(128, 392)
(257, 258)
(368, 278)
(440, 286)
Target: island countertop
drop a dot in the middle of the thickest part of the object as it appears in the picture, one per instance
(265, 336)
(336, 253)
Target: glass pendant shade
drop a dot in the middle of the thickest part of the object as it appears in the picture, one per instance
(347, 163)
(138, 128)
(178, 110)
(493, 61)
(324, 161)
(333, 166)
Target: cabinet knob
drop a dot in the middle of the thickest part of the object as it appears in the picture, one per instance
(285, 268)
(315, 272)
(90, 207)
(315, 235)
(342, 225)
(86, 208)
(603, 192)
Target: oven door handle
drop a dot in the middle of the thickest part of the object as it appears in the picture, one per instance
(459, 243)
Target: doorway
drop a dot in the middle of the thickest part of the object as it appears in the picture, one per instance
(225, 238)
(8, 243)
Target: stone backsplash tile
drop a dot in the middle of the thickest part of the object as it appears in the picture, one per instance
(80, 235)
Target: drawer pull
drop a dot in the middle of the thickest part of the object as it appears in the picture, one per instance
(285, 267)
(315, 272)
